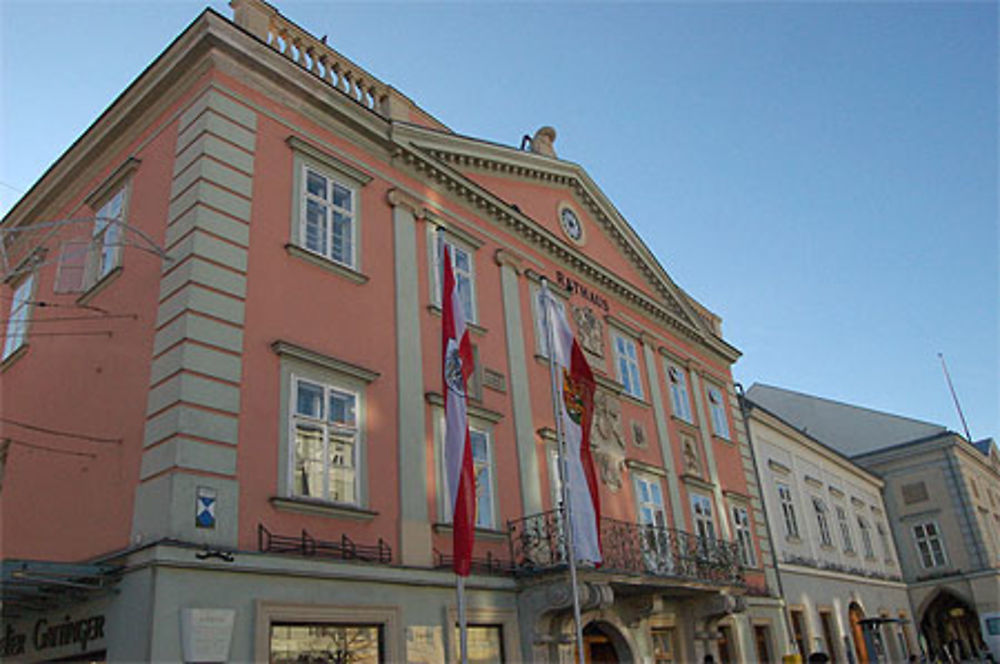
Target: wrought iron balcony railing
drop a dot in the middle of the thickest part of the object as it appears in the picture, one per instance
(538, 544)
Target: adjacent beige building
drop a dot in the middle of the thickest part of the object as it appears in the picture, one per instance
(942, 499)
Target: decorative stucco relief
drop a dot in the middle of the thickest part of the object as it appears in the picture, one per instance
(590, 330)
(608, 439)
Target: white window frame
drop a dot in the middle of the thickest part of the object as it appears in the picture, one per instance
(626, 358)
(744, 534)
(538, 313)
(787, 502)
(18, 316)
(866, 538)
(925, 541)
(821, 511)
(106, 241)
(462, 275)
(703, 516)
(680, 396)
(717, 409)
(845, 530)
(332, 181)
(488, 520)
(883, 537)
(328, 429)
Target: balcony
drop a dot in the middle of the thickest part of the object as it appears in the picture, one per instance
(538, 545)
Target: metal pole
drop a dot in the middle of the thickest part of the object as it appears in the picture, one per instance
(563, 470)
(954, 397)
(463, 633)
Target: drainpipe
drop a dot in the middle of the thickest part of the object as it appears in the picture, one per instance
(745, 412)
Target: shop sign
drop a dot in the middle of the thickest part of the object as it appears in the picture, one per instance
(572, 286)
(47, 634)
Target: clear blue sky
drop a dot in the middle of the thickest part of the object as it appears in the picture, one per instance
(823, 176)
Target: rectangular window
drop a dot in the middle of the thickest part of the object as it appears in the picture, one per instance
(485, 644)
(655, 539)
(679, 398)
(717, 409)
(538, 309)
(482, 466)
(929, 545)
(328, 216)
(762, 643)
(845, 530)
(883, 538)
(663, 645)
(326, 431)
(291, 643)
(704, 522)
(788, 510)
(107, 237)
(741, 520)
(866, 538)
(17, 319)
(821, 520)
(627, 364)
(798, 629)
(463, 266)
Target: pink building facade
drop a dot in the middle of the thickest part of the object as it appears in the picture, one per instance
(222, 399)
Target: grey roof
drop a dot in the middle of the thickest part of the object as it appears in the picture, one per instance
(850, 429)
(984, 445)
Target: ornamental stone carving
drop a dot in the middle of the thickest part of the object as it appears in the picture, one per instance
(692, 465)
(607, 430)
(610, 468)
(590, 330)
(639, 435)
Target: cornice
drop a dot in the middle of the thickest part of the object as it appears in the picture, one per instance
(456, 184)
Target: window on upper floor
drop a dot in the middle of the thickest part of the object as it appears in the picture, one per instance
(930, 545)
(463, 266)
(883, 538)
(819, 507)
(866, 538)
(107, 236)
(18, 316)
(744, 536)
(845, 530)
(627, 364)
(704, 520)
(328, 224)
(788, 510)
(481, 442)
(717, 409)
(325, 423)
(649, 501)
(538, 312)
(680, 400)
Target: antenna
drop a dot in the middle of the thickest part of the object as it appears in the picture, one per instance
(954, 396)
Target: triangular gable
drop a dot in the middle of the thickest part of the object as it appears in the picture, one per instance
(482, 165)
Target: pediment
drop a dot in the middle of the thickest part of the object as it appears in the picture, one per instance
(500, 176)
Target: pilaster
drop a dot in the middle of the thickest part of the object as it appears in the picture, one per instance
(414, 524)
(706, 439)
(520, 394)
(662, 435)
(193, 404)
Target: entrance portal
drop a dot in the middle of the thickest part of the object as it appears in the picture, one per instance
(950, 624)
(604, 644)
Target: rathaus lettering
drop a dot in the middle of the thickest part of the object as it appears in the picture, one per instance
(574, 286)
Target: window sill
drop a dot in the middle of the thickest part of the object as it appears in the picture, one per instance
(336, 510)
(793, 539)
(331, 266)
(638, 401)
(723, 439)
(99, 286)
(684, 424)
(475, 327)
(827, 547)
(14, 357)
(486, 534)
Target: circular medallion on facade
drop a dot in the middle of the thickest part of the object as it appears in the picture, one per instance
(570, 223)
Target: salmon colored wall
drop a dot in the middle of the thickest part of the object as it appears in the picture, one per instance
(64, 507)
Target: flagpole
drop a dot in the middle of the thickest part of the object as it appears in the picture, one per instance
(463, 631)
(563, 471)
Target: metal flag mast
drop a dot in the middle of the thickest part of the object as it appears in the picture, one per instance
(563, 469)
(954, 397)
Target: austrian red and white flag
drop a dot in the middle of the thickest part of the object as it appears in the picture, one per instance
(457, 367)
(575, 384)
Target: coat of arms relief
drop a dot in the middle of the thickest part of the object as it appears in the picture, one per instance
(590, 330)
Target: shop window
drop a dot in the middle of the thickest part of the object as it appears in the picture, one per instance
(485, 644)
(762, 643)
(293, 643)
(680, 400)
(18, 316)
(798, 630)
(717, 409)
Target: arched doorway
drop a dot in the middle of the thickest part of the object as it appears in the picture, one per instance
(949, 623)
(604, 644)
(855, 616)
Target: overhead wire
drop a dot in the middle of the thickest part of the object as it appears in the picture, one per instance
(57, 432)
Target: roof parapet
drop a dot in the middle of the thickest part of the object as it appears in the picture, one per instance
(265, 22)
